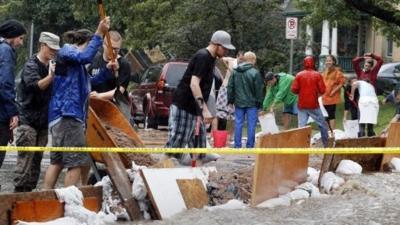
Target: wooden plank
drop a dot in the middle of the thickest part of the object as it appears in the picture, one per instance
(369, 162)
(43, 210)
(108, 113)
(100, 112)
(119, 177)
(193, 192)
(9, 199)
(392, 140)
(163, 189)
(276, 174)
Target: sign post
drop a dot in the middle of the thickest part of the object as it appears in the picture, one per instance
(291, 34)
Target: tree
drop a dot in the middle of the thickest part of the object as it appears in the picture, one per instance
(185, 26)
(385, 13)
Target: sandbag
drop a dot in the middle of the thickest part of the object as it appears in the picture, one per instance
(330, 182)
(348, 167)
(268, 123)
(395, 164)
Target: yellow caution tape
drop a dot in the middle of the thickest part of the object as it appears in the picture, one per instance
(387, 150)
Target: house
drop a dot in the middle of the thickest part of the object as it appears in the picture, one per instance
(343, 42)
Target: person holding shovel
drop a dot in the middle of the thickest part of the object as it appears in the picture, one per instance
(189, 110)
(69, 103)
(102, 64)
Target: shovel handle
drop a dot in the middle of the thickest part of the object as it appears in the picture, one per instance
(196, 139)
(102, 13)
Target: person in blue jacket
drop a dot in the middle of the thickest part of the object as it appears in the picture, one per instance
(69, 103)
(12, 34)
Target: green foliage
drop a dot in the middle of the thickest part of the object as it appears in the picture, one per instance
(179, 26)
(346, 15)
(319, 10)
(185, 26)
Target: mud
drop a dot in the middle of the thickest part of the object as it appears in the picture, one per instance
(123, 140)
(224, 186)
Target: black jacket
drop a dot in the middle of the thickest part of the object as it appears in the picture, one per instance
(33, 103)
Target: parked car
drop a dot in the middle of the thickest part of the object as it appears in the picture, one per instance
(388, 78)
(153, 96)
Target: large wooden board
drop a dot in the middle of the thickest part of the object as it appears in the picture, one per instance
(369, 162)
(164, 191)
(9, 200)
(276, 174)
(393, 140)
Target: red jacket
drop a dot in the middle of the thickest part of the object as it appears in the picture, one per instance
(308, 85)
(372, 74)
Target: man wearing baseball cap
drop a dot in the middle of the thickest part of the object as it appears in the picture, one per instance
(12, 35)
(190, 98)
(33, 98)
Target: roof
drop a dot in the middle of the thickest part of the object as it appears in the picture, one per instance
(292, 10)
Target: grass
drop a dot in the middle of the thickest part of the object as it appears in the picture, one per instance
(386, 113)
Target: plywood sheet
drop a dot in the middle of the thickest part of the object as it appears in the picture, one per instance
(193, 192)
(8, 200)
(276, 174)
(43, 210)
(164, 192)
(393, 140)
(369, 162)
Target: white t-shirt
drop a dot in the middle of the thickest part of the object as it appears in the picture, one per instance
(365, 89)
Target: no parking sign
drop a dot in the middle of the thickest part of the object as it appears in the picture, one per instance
(291, 27)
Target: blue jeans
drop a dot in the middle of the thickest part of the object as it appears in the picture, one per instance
(316, 114)
(251, 113)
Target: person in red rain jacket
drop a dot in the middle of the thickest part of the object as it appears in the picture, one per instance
(309, 85)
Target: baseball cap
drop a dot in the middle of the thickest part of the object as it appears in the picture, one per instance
(222, 38)
(50, 39)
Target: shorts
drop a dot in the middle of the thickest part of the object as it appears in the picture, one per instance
(331, 110)
(290, 109)
(69, 132)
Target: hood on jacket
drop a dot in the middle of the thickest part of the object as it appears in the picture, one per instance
(244, 66)
(309, 63)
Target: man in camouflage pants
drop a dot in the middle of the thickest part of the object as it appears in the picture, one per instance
(33, 96)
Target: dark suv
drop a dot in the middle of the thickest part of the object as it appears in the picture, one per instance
(153, 96)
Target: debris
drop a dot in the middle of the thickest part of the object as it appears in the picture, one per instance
(223, 187)
(348, 167)
(111, 201)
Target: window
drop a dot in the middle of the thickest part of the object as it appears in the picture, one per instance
(175, 73)
(152, 74)
(389, 50)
